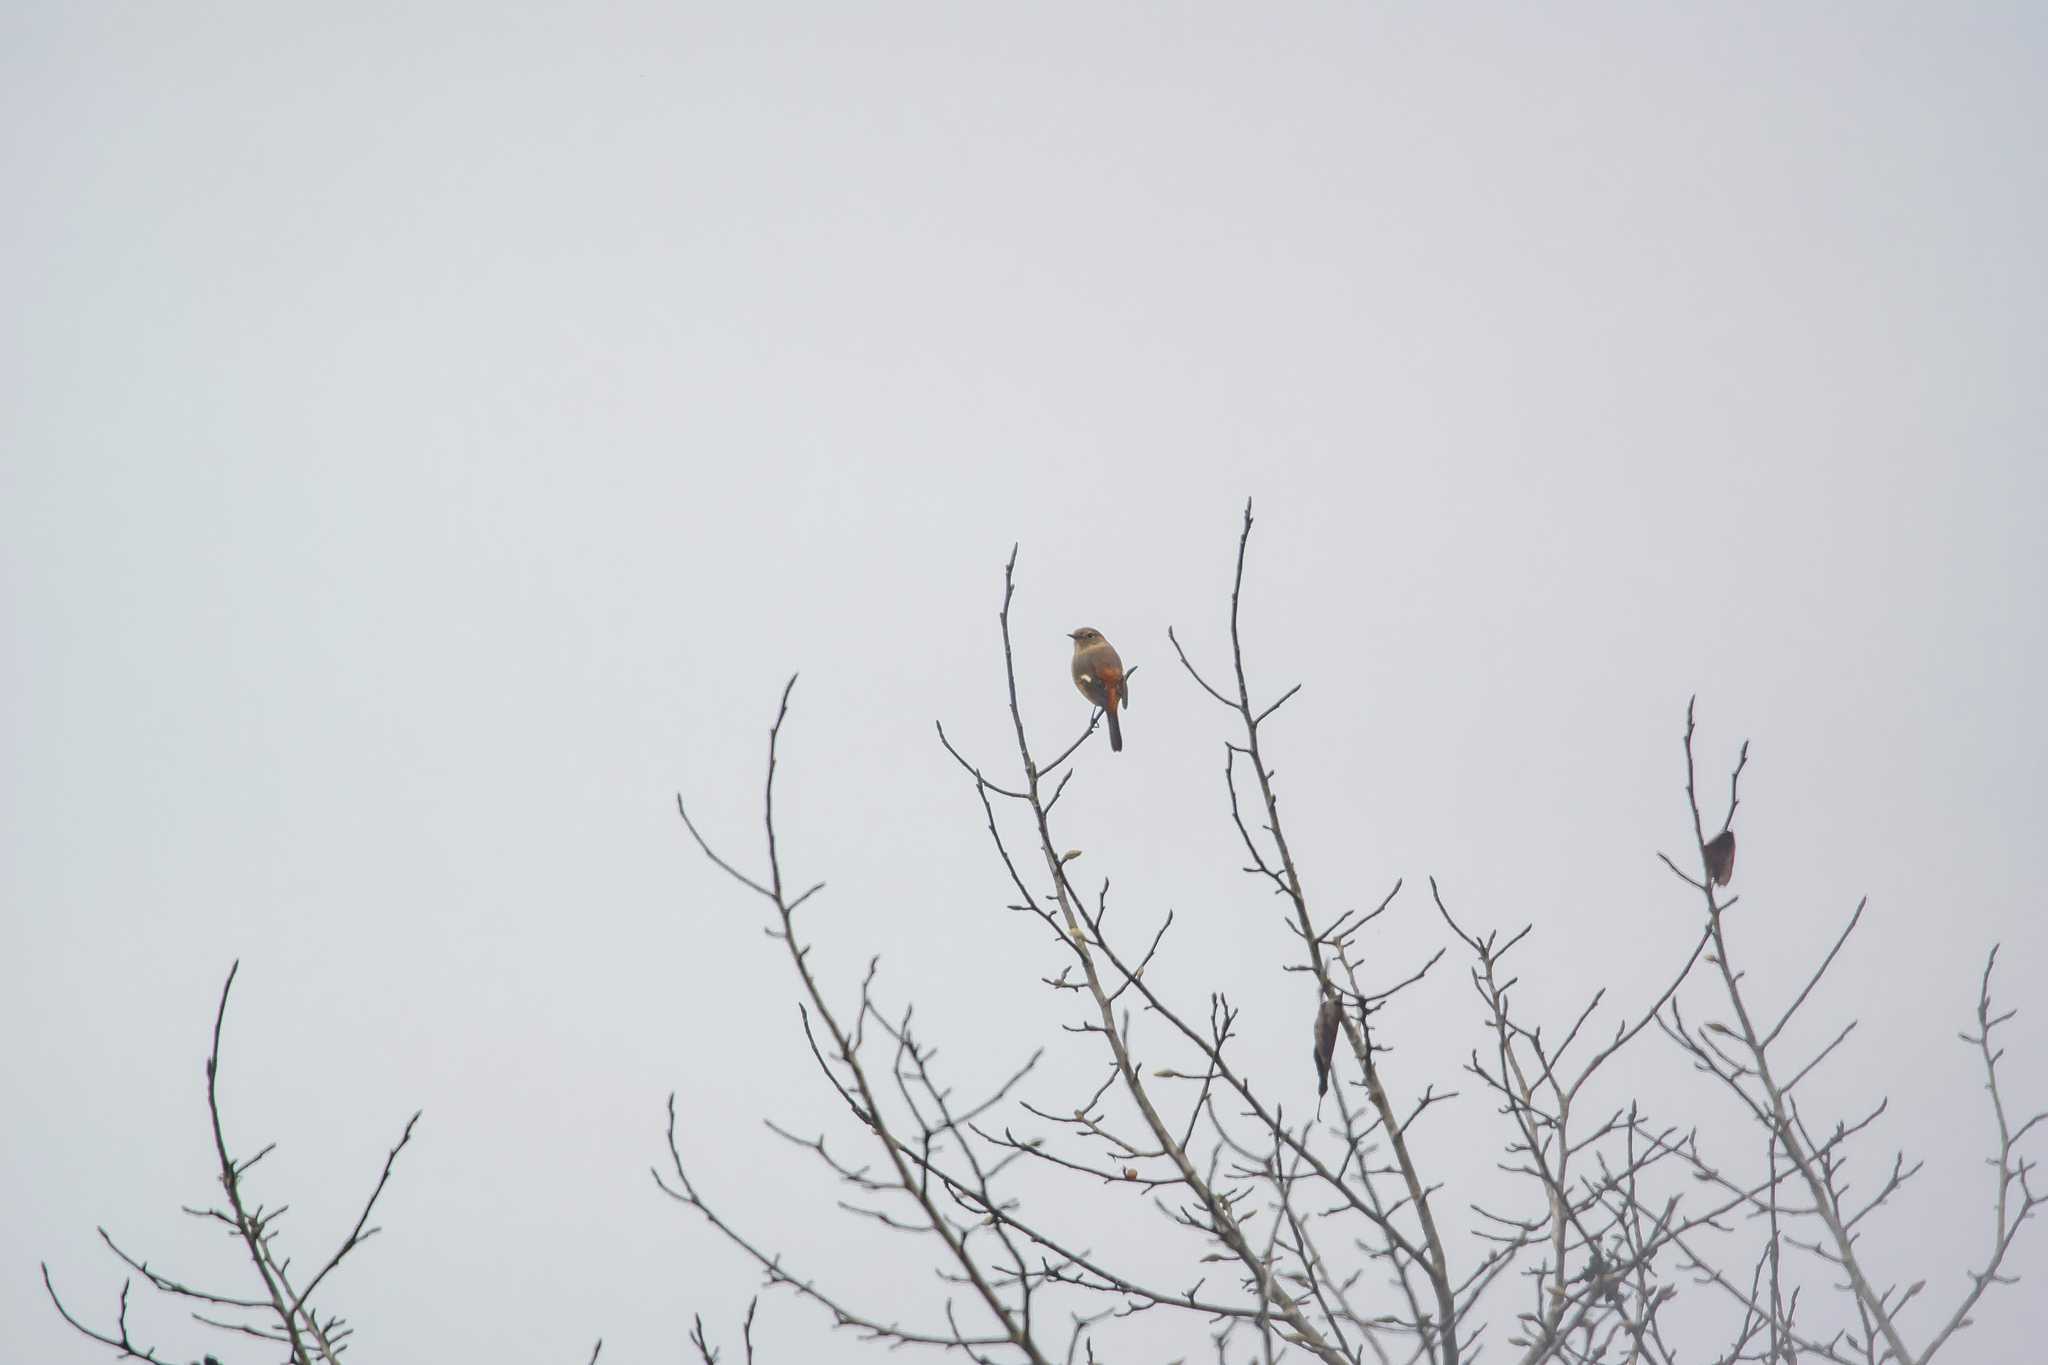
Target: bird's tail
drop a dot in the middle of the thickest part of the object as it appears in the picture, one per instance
(1116, 733)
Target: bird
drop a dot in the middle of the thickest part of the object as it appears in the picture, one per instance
(1099, 673)
(1328, 1015)
(1720, 851)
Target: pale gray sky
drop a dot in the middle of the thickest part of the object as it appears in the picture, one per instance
(433, 433)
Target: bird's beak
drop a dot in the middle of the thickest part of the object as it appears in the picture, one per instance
(1073, 634)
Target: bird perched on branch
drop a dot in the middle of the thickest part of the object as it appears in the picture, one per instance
(1720, 851)
(1099, 673)
(1328, 1016)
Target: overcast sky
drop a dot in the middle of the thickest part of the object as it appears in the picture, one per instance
(430, 435)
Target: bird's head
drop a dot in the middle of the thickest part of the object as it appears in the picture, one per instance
(1085, 636)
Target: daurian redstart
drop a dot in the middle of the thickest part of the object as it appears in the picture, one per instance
(1099, 673)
